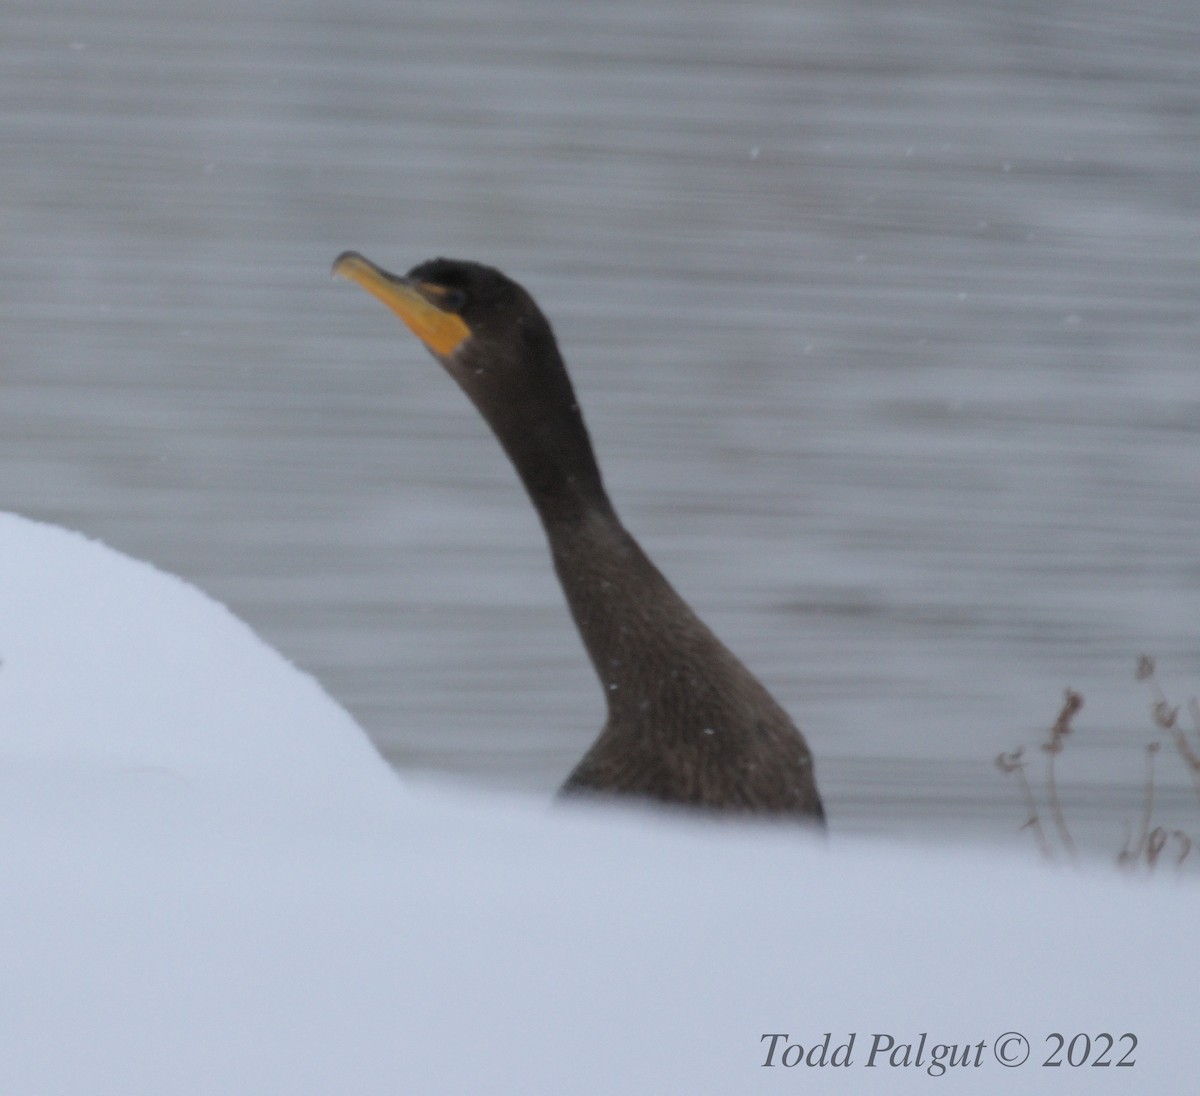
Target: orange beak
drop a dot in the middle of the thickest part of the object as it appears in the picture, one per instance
(442, 332)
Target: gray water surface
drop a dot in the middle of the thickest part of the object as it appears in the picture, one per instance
(884, 317)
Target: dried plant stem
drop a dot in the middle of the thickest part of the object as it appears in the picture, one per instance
(1185, 749)
(1166, 719)
(1134, 851)
(1053, 746)
(1145, 842)
(1190, 759)
(1013, 763)
(1055, 805)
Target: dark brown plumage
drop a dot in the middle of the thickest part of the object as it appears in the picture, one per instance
(687, 722)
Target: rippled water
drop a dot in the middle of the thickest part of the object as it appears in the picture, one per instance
(884, 316)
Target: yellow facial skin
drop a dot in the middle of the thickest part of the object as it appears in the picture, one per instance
(442, 332)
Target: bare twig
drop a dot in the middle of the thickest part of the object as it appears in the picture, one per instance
(1145, 842)
(1155, 845)
(1014, 762)
(1132, 853)
(1053, 746)
(1185, 846)
(1166, 718)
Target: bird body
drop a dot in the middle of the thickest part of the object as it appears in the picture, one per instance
(687, 722)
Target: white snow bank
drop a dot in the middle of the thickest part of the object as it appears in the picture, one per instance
(211, 884)
(138, 681)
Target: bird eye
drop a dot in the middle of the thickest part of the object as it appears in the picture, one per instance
(453, 299)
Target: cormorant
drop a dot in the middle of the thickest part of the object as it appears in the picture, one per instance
(687, 722)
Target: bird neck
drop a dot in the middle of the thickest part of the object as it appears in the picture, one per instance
(640, 635)
(544, 435)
